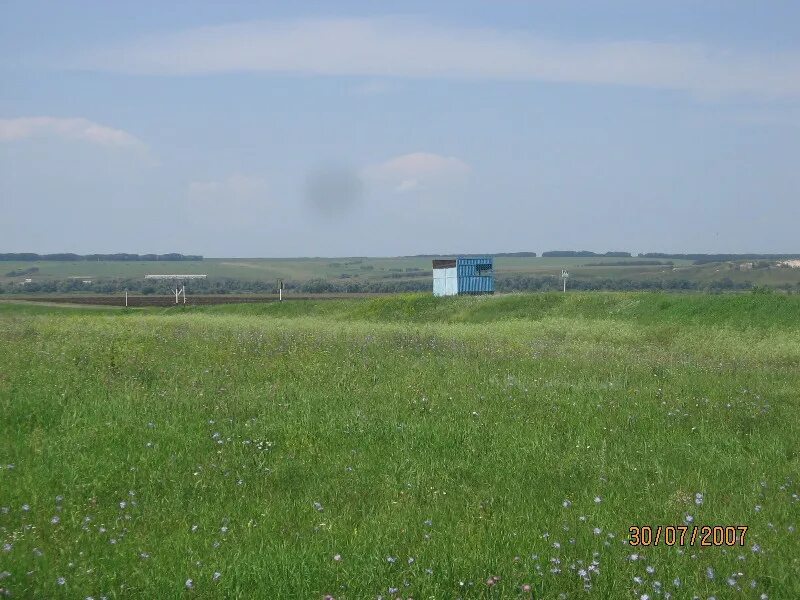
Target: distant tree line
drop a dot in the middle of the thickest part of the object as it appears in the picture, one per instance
(583, 254)
(22, 272)
(629, 263)
(467, 255)
(707, 258)
(69, 257)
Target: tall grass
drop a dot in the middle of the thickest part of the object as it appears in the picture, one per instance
(400, 447)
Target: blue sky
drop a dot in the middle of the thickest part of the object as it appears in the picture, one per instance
(365, 128)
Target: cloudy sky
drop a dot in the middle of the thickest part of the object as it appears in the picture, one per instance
(377, 128)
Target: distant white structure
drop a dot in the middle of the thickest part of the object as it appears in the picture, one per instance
(445, 278)
(792, 263)
(180, 287)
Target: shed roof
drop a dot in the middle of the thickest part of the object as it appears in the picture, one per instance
(447, 263)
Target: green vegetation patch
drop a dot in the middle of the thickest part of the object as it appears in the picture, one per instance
(400, 447)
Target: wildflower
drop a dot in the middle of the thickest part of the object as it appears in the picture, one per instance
(55, 520)
(391, 559)
(189, 584)
(566, 504)
(597, 499)
(26, 507)
(61, 581)
(637, 579)
(650, 569)
(216, 576)
(710, 572)
(337, 557)
(428, 522)
(7, 547)
(698, 498)
(758, 508)
(526, 587)
(597, 531)
(756, 548)
(676, 582)
(318, 507)
(688, 518)
(194, 528)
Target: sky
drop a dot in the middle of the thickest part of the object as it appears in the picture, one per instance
(362, 128)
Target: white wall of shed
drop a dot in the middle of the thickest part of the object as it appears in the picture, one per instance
(445, 282)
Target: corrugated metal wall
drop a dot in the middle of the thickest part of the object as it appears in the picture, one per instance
(475, 275)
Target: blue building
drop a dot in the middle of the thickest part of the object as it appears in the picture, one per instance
(463, 275)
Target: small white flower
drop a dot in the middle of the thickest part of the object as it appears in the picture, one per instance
(189, 584)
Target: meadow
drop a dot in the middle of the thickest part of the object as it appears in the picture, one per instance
(304, 269)
(401, 447)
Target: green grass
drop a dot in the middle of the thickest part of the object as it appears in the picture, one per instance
(303, 269)
(446, 431)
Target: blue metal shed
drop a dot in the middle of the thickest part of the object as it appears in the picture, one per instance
(464, 275)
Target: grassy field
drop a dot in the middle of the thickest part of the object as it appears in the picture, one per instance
(399, 447)
(303, 269)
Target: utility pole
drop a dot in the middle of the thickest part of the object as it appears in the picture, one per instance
(564, 277)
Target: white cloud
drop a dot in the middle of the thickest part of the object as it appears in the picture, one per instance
(381, 47)
(418, 171)
(70, 128)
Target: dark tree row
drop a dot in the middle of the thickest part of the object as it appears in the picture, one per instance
(583, 254)
(69, 257)
(707, 258)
